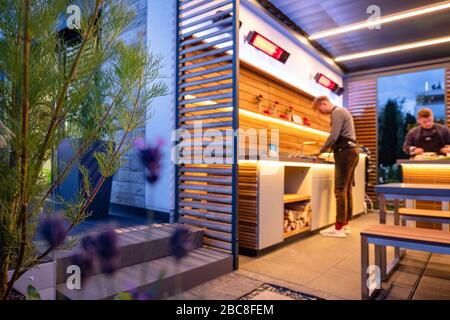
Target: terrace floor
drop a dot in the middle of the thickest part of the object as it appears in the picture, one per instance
(329, 268)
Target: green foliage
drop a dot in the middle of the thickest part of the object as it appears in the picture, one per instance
(96, 88)
(392, 127)
(33, 293)
(86, 183)
(123, 296)
(393, 124)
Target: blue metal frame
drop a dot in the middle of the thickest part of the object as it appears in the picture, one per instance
(235, 120)
(177, 105)
(435, 248)
(235, 170)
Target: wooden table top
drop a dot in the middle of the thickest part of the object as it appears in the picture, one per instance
(413, 234)
(425, 189)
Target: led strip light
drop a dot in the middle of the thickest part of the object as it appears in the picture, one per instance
(383, 20)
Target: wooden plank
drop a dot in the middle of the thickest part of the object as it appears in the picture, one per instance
(220, 208)
(430, 236)
(206, 196)
(216, 216)
(213, 225)
(424, 213)
(295, 232)
(215, 180)
(293, 197)
(248, 206)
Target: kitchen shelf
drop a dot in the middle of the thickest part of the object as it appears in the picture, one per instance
(295, 232)
(295, 197)
(276, 120)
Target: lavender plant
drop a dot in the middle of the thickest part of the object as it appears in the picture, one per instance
(41, 93)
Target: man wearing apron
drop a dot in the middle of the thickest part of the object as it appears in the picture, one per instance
(428, 136)
(342, 140)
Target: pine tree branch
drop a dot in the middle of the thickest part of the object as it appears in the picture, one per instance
(60, 101)
(97, 187)
(23, 213)
(80, 151)
(85, 86)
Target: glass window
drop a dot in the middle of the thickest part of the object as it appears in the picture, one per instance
(399, 99)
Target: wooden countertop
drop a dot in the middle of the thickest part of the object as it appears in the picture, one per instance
(299, 160)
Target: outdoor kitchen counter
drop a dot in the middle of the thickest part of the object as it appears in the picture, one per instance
(427, 162)
(429, 172)
(266, 186)
(425, 171)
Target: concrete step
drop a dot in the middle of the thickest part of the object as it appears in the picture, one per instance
(136, 244)
(201, 265)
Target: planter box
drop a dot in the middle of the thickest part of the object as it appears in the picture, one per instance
(41, 277)
(68, 189)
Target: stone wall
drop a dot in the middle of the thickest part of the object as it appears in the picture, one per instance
(128, 184)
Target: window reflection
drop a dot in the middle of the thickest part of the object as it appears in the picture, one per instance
(399, 98)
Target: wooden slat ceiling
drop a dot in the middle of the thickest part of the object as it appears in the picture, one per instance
(313, 16)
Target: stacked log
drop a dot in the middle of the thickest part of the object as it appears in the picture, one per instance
(297, 216)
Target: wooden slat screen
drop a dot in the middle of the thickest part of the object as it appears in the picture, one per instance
(205, 93)
(361, 97)
(248, 206)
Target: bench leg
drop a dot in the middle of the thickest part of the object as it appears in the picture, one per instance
(380, 261)
(397, 252)
(382, 210)
(364, 265)
(445, 207)
(403, 224)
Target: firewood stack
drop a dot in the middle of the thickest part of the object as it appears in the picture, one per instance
(297, 216)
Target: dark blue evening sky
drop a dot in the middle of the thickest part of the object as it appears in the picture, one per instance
(407, 85)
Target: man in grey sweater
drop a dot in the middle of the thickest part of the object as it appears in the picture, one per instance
(342, 141)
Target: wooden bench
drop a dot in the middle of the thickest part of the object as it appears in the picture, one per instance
(383, 235)
(406, 191)
(435, 216)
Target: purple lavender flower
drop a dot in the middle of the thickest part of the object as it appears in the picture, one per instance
(181, 243)
(85, 262)
(53, 230)
(150, 157)
(106, 244)
(88, 244)
(110, 266)
(142, 296)
(108, 251)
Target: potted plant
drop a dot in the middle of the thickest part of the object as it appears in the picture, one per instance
(259, 102)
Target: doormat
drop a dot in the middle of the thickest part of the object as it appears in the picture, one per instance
(269, 291)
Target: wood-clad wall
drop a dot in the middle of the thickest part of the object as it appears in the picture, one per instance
(447, 94)
(361, 97)
(248, 206)
(254, 82)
